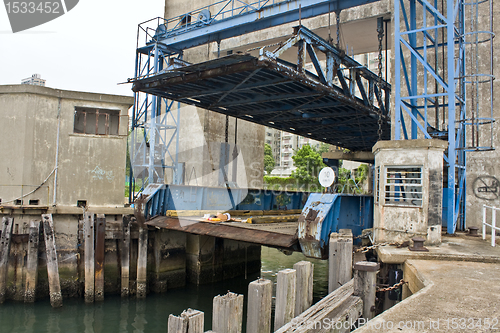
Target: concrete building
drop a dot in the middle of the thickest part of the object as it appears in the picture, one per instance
(63, 150)
(34, 80)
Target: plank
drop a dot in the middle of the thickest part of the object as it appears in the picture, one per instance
(5, 241)
(255, 236)
(330, 302)
(32, 264)
(52, 266)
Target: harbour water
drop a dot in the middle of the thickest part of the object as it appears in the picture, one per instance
(147, 315)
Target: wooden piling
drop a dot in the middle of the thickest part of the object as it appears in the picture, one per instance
(365, 285)
(52, 267)
(227, 314)
(142, 260)
(304, 286)
(285, 297)
(88, 221)
(190, 321)
(125, 256)
(99, 258)
(260, 294)
(7, 223)
(339, 259)
(32, 264)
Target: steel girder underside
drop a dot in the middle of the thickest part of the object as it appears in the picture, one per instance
(271, 92)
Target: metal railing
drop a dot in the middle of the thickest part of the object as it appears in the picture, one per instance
(493, 225)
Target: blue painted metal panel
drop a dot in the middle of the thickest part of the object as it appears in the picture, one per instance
(327, 213)
(160, 197)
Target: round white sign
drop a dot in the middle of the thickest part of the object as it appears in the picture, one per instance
(326, 177)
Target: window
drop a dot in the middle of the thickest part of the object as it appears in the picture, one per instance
(96, 121)
(403, 186)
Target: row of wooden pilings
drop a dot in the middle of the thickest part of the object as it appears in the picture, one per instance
(349, 299)
(93, 239)
(32, 260)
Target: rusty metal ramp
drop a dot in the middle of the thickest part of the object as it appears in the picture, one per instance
(337, 100)
(268, 235)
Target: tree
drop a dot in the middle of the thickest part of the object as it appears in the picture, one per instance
(309, 163)
(323, 148)
(269, 161)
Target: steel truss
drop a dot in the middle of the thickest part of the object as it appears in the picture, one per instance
(431, 86)
(338, 101)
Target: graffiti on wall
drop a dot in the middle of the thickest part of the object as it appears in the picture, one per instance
(486, 188)
(100, 174)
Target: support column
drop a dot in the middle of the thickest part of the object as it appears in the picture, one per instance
(142, 261)
(285, 297)
(88, 221)
(304, 290)
(52, 267)
(340, 259)
(365, 285)
(7, 223)
(125, 256)
(260, 294)
(32, 265)
(99, 258)
(227, 315)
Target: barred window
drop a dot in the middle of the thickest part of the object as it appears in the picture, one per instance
(96, 121)
(403, 186)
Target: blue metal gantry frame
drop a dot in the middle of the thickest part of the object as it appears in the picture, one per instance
(431, 89)
(160, 43)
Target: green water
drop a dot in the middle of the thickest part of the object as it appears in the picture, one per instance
(150, 315)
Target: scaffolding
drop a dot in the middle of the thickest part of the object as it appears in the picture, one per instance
(437, 91)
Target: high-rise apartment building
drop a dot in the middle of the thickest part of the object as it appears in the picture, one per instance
(34, 80)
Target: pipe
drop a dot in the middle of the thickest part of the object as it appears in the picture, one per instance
(56, 168)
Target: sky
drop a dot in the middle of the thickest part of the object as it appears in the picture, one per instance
(90, 48)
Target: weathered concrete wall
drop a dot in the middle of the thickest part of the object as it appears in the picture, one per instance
(90, 167)
(397, 222)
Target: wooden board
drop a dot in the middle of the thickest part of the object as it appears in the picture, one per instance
(225, 231)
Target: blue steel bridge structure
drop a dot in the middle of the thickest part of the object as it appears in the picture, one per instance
(339, 101)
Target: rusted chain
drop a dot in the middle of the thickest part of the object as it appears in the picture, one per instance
(365, 249)
(396, 286)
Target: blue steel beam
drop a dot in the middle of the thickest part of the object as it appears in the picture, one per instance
(256, 16)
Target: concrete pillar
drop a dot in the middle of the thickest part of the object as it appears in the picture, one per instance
(365, 285)
(169, 260)
(210, 259)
